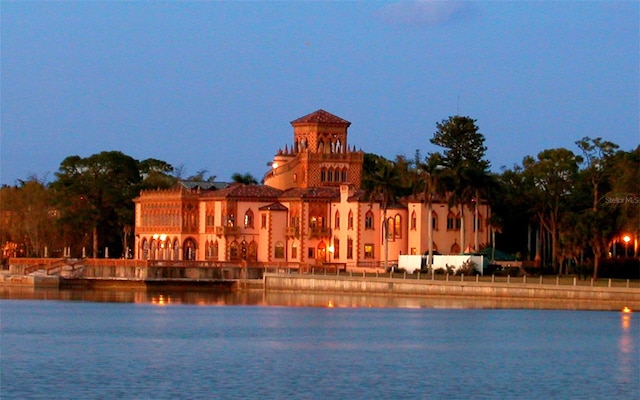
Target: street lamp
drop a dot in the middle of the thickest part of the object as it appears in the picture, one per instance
(626, 239)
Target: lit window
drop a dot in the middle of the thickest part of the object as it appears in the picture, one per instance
(368, 250)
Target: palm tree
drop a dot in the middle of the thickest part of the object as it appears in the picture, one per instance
(383, 186)
(430, 173)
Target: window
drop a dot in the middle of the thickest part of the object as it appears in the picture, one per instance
(231, 220)
(214, 250)
(248, 219)
(330, 175)
(336, 223)
(390, 228)
(452, 222)
(349, 248)
(263, 221)
(434, 221)
(294, 251)
(368, 220)
(279, 250)
(323, 175)
(397, 229)
(233, 250)
(311, 253)
(211, 221)
(350, 220)
(414, 221)
(344, 175)
(368, 250)
(295, 177)
(477, 224)
(336, 248)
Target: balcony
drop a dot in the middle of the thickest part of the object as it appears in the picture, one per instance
(319, 232)
(227, 230)
(292, 232)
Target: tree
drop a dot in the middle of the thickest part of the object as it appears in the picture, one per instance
(464, 160)
(383, 185)
(596, 153)
(156, 174)
(28, 220)
(95, 194)
(550, 180)
(430, 172)
(246, 178)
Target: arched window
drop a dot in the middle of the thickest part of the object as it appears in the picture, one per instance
(321, 147)
(349, 248)
(350, 220)
(215, 250)
(145, 249)
(189, 248)
(233, 251)
(344, 175)
(336, 220)
(330, 175)
(397, 229)
(248, 219)
(243, 250)
(434, 221)
(477, 224)
(278, 251)
(455, 248)
(253, 251)
(414, 221)
(321, 255)
(336, 248)
(323, 174)
(176, 249)
(368, 220)
(390, 228)
(451, 221)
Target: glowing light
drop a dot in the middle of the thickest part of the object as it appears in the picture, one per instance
(626, 310)
(626, 238)
(274, 165)
(163, 237)
(155, 236)
(331, 249)
(330, 304)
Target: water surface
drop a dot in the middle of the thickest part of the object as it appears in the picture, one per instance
(168, 349)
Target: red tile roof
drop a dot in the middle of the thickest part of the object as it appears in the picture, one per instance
(240, 190)
(320, 116)
(329, 193)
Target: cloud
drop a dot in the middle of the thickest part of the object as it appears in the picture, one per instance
(425, 12)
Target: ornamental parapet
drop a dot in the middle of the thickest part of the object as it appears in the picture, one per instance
(292, 232)
(319, 232)
(227, 230)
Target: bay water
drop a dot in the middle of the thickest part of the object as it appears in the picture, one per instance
(230, 348)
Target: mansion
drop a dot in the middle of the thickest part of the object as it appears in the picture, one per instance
(310, 211)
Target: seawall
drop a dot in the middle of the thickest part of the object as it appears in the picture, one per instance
(629, 297)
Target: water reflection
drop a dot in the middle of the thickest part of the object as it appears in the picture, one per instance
(298, 299)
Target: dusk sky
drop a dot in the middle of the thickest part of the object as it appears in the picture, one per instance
(213, 85)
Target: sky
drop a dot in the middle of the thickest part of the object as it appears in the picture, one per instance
(214, 85)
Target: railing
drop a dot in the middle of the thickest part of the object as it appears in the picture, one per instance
(328, 269)
(319, 232)
(227, 230)
(292, 232)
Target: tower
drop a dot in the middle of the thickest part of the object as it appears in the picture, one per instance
(319, 157)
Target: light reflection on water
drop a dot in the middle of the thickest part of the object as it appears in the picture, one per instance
(163, 345)
(298, 299)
